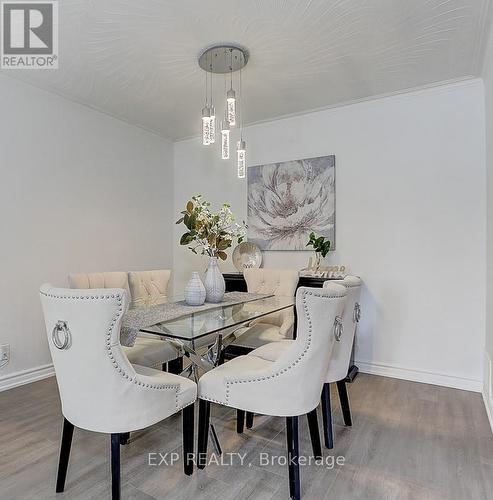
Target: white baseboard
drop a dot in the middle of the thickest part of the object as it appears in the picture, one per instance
(488, 404)
(26, 377)
(488, 388)
(424, 377)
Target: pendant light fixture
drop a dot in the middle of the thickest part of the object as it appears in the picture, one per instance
(225, 131)
(206, 125)
(231, 106)
(212, 125)
(224, 59)
(241, 158)
(231, 96)
(241, 146)
(206, 117)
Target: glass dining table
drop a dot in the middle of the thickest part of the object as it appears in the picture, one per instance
(202, 335)
(214, 328)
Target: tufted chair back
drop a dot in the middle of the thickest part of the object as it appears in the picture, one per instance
(99, 389)
(277, 282)
(149, 287)
(341, 355)
(99, 280)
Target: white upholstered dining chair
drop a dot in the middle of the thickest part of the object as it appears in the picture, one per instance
(112, 279)
(276, 326)
(271, 328)
(341, 355)
(148, 288)
(100, 390)
(148, 350)
(290, 385)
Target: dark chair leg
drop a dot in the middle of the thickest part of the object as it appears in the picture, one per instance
(175, 366)
(327, 417)
(293, 455)
(67, 433)
(222, 358)
(240, 421)
(249, 420)
(115, 466)
(188, 417)
(204, 416)
(343, 397)
(314, 433)
(124, 437)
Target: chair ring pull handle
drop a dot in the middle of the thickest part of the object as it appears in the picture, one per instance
(357, 313)
(338, 328)
(61, 327)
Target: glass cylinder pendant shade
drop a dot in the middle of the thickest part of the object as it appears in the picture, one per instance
(225, 140)
(206, 126)
(241, 157)
(212, 125)
(231, 107)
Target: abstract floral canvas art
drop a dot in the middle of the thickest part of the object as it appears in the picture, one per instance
(288, 200)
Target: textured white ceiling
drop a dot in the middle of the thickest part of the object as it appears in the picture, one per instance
(137, 60)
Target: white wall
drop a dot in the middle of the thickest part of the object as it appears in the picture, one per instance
(410, 220)
(488, 364)
(79, 191)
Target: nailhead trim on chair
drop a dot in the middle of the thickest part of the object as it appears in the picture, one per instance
(109, 347)
(260, 379)
(349, 285)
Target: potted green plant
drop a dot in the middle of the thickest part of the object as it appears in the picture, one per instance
(210, 233)
(321, 245)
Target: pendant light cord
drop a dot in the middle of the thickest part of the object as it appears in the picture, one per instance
(206, 90)
(225, 74)
(231, 70)
(211, 66)
(240, 108)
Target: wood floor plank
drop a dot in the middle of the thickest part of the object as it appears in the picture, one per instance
(408, 441)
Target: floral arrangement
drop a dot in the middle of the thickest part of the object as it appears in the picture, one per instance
(319, 244)
(209, 233)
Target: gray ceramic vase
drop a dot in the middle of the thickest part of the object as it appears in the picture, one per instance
(195, 291)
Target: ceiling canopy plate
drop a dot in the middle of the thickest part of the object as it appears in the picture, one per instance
(223, 58)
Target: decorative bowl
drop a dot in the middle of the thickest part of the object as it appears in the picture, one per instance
(247, 256)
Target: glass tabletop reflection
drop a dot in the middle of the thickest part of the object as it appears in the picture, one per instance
(201, 323)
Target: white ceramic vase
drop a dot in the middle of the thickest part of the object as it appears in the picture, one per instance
(195, 291)
(214, 282)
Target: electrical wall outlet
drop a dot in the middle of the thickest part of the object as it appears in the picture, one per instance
(4, 354)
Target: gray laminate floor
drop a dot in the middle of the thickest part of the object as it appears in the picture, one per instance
(408, 441)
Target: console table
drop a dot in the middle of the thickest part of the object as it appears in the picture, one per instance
(235, 282)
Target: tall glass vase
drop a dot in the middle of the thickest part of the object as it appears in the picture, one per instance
(214, 282)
